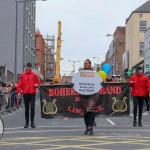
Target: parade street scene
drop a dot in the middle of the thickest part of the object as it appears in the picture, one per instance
(74, 75)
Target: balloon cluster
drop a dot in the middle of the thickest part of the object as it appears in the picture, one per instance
(106, 68)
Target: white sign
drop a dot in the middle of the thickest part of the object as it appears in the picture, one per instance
(87, 82)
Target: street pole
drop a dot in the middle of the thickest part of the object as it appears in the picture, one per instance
(74, 62)
(97, 64)
(16, 39)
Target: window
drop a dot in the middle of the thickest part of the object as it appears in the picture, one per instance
(141, 48)
(143, 25)
(140, 15)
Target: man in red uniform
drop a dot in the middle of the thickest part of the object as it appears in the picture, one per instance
(138, 83)
(27, 84)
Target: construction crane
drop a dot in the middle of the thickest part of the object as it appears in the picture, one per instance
(57, 77)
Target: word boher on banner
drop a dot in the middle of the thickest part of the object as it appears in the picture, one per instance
(87, 82)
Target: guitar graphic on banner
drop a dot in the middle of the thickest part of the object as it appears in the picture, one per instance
(49, 107)
(119, 105)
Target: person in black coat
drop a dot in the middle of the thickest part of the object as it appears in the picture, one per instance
(88, 104)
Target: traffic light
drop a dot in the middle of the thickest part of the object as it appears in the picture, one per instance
(127, 73)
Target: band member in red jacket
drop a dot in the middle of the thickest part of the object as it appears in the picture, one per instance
(138, 83)
(27, 85)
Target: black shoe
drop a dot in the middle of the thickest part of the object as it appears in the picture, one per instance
(134, 123)
(140, 124)
(26, 125)
(87, 131)
(91, 131)
(33, 125)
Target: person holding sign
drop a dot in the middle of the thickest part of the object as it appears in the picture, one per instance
(88, 104)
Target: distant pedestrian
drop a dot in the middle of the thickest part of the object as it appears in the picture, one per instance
(147, 99)
(138, 83)
(27, 84)
(113, 79)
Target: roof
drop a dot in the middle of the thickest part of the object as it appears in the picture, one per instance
(145, 8)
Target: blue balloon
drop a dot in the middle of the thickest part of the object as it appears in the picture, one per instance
(106, 68)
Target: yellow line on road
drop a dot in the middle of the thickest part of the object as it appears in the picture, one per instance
(91, 141)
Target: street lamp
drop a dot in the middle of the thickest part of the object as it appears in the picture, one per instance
(74, 64)
(98, 63)
(16, 34)
(109, 35)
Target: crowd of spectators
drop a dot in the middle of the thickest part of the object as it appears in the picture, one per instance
(8, 96)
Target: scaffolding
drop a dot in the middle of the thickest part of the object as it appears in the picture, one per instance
(49, 58)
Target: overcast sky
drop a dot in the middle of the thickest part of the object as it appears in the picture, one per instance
(85, 24)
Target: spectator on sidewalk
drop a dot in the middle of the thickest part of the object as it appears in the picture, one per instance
(27, 84)
(138, 83)
(147, 99)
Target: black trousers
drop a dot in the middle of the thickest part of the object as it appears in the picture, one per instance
(138, 102)
(29, 100)
(89, 119)
(147, 103)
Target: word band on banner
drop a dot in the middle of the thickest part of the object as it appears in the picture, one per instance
(87, 82)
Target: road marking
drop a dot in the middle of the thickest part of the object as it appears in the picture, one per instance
(74, 126)
(112, 123)
(75, 130)
(89, 142)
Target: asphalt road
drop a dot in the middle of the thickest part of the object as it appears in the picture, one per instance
(114, 133)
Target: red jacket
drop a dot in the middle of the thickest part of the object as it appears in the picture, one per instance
(140, 85)
(148, 87)
(27, 83)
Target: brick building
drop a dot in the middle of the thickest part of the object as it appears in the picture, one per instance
(40, 51)
(119, 48)
(115, 52)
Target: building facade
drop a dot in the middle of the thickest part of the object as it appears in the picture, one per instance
(17, 39)
(40, 54)
(147, 52)
(136, 25)
(115, 52)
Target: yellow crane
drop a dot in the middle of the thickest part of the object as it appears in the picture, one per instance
(57, 77)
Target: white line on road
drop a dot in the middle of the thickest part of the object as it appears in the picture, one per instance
(75, 130)
(112, 123)
(101, 125)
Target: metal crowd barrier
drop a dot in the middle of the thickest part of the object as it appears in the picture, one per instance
(9, 103)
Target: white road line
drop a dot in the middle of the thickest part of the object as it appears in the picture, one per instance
(101, 125)
(75, 130)
(112, 123)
